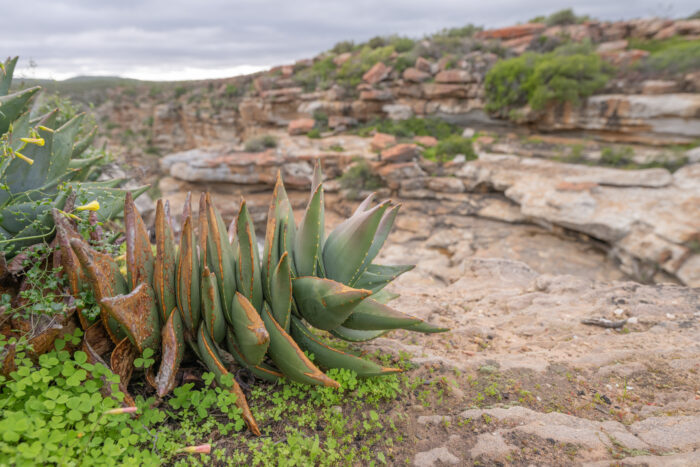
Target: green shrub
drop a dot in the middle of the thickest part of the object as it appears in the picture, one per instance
(562, 18)
(402, 44)
(447, 149)
(360, 176)
(674, 56)
(376, 42)
(411, 127)
(537, 79)
(320, 120)
(231, 90)
(315, 133)
(260, 143)
(179, 91)
(465, 31)
(350, 73)
(318, 75)
(343, 47)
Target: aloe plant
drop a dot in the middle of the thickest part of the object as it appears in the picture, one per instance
(218, 296)
(42, 167)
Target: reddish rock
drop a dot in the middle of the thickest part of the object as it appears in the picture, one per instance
(512, 32)
(377, 73)
(263, 83)
(519, 44)
(440, 90)
(342, 58)
(423, 65)
(454, 76)
(376, 95)
(287, 70)
(415, 75)
(426, 141)
(400, 153)
(692, 81)
(382, 141)
(300, 126)
(282, 95)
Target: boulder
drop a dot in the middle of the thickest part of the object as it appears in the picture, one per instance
(381, 141)
(455, 76)
(377, 73)
(423, 65)
(426, 141)
(612, 46)
(376, 95)
(337, 122)
(415, 75)
(511, 32)
(398, 111)
(400, 153)
(300, 126)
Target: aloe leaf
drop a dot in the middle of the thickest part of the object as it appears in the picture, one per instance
(248, 278)
(252, 338)
(187, 279)
(6, 72)
(136, 312)
(172, 351)
(262, 370)
(106, 281)
(80, 146)
(308, 241)
(281, 292)
(212, 314)
(348, 246)
(329, 357)
(208, 352)
(12, 105)
(220, 255)
(376, 277)
(353, 335)
(325, 303)
(427, 328)
(139, 256)
(371, 315)
(165, 263)
(290, 358)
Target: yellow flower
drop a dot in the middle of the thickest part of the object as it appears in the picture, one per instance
(37, 141)
(24, 158)
(45, 128)
(91, 206)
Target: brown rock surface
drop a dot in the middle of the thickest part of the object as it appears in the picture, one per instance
(300, 126)
(377, 73)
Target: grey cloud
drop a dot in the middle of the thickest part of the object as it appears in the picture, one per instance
(117, 37)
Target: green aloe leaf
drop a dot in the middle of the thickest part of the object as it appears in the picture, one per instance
(139, 255)
(187, 279)
(212, 314)
(371, 315)
(376, 277)
(308, 241)
(209, 354)
(281, 292)
(6, 72)
(220, 255)
(252, 338)
(353, 335)
(348, 246)
(12, 105)
(329, 357)
(325, 303)
(248, 267)
(262, 370)
(289, 358)
(165, 263)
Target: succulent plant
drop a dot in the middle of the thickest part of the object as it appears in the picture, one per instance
(218, 296)
(42, 167)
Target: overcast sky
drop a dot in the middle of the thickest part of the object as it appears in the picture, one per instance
(171, 39)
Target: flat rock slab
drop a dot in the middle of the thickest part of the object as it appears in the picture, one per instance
(669, 432)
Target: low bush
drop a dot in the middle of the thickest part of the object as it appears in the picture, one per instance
(447, 149)
(319, 75)
(567, 74)
(411, 127)
(260, 143)
(360, 176)
(672, 57)
(350, 73)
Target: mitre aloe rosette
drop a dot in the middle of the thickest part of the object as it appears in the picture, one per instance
(259, 309)
(42, 165)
